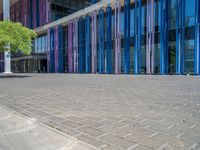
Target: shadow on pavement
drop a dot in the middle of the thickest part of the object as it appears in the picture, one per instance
(3, 76)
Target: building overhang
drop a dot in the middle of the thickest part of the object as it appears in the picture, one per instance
(42, 56)
(65, 20)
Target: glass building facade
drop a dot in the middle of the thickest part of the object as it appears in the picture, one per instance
(62, 8)
(122, 37)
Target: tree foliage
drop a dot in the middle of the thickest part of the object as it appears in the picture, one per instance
(19, 37)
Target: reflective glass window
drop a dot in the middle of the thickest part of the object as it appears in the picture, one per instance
(189, 12)
(172, 14)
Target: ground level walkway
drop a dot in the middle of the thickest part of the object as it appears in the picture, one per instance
(107, 111)
(18, 132)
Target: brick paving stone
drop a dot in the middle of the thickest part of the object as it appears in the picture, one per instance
(91, 123)
(147, 110)
(43, 114)
(68, 131)
(58, 113)
(165, 146)
(33, 110)
(178, 142)
(93, 118)
(55, 119)
(141, 147)
(74, 118)
(116, 131)
(120, 142)
(113, 123)
(191, 137)
(91, 140)
(51, 123)
(144, 140)
(71, 124)
(195, 146)
(91, 131)
(26, 113)
(110, 147)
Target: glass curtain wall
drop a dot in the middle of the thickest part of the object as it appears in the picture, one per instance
(62, 8)
(143, 32)
(172, 35)
(157, 21)
(132, 47)
(187, 41)
(40, 44)
(189, 36)
(65, 48)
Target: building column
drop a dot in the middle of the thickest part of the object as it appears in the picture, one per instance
(51, 51)
(48, 31)
(101, 56)
(75, 45)
(197, 39)
(109, 40)
(180, 36)
(56, 48)
(48, 50)
(34, 13)
(137, 36)
(60, 50)
(29, 14)
(163, 28)
(126, 36)
(26, 13)
(55, 61)
(7, 56)
(70, 63)
(117, 37)
(81, 43)
(48, 11)
(87, 44)
(150, 38)
(22, 11)
(41, 15)
(94, 42)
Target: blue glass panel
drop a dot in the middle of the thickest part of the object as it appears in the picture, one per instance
(189, 12)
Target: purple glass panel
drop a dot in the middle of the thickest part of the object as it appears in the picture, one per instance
(34, 14)
(70, 67)
(41, 11)
(47, 11)
(56, 47)
(48, 50)
(25, 13)
(75, 45)
(22, 11)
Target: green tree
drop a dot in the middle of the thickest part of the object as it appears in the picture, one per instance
(19, 37)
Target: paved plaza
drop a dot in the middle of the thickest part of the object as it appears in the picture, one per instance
(111, 112)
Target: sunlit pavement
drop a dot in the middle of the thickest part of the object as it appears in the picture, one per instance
(18, 132)
(110, 111)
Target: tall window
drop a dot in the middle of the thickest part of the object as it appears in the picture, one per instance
(40, 44)
(189, 36)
